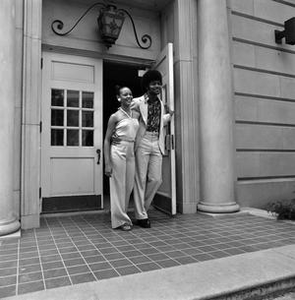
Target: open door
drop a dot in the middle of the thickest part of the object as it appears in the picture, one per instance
(165, 199)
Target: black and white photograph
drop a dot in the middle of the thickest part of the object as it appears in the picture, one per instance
(148, 150)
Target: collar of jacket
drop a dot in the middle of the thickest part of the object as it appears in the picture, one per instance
(146, 99)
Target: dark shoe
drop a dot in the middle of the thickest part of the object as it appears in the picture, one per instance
(145, 223)
(125, 227)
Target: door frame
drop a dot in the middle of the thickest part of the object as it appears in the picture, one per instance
(31, 114)
(127, 62)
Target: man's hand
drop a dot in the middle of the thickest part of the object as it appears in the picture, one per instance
(115, 140)
(169, 111)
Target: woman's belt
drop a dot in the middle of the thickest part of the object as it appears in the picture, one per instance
(127, 140)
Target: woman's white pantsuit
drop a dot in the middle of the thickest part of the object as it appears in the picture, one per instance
(123, 170)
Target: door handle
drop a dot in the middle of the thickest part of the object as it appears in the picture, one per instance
(98, 151)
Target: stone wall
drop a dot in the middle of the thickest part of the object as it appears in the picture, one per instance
(264, 95)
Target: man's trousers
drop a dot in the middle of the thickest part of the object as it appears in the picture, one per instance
(148, 174)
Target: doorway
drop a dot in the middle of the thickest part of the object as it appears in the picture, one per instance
(78, 97)
(123, 75)
(127, 75)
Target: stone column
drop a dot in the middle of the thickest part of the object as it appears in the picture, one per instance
(30, 211)
(186, 105)
(216, 110)
(8, 221)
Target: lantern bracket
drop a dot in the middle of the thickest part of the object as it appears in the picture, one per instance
(58, 25)
(145, 38)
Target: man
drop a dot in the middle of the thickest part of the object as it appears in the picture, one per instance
(149, 145)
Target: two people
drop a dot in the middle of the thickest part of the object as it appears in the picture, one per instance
(147, 138)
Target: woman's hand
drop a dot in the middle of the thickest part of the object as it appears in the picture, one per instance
(108, 170)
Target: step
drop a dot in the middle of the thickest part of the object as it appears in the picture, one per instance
(244, 276)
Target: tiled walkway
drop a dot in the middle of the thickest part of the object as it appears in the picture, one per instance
(71, 250)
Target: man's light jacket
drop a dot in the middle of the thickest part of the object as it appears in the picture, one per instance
(140, 105)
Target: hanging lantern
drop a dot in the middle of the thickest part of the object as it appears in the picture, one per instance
(110, 22)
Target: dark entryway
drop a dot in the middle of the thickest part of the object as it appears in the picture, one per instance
(122, 75)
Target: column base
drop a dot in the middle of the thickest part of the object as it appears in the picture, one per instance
(9, 227)
(218, 208)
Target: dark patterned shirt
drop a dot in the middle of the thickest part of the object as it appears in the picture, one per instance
(154, 115)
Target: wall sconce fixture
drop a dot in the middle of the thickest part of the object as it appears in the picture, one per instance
(110, 22)
(288, 33)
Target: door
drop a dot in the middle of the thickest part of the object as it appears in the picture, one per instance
(165, 198)
(71, 137)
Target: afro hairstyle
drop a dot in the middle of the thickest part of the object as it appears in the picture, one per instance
(149, 76)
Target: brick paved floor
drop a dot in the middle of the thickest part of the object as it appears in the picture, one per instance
(71, 250)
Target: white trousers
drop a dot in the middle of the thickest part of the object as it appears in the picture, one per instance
(121, 182)
(148, 174)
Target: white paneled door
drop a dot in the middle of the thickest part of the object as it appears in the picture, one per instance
(165, 198)
(71, 137)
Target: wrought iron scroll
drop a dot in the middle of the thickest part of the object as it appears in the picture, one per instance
(145, 38)
(57, 25)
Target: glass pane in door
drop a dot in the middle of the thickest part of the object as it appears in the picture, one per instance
(72, 98)
(57, 117)
(87, 138)
(87, 119)
(87, 99)
(73, 118)
(72, 137)
(57, 137)
(57, 97)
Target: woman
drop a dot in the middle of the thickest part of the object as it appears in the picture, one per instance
(119, 159)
